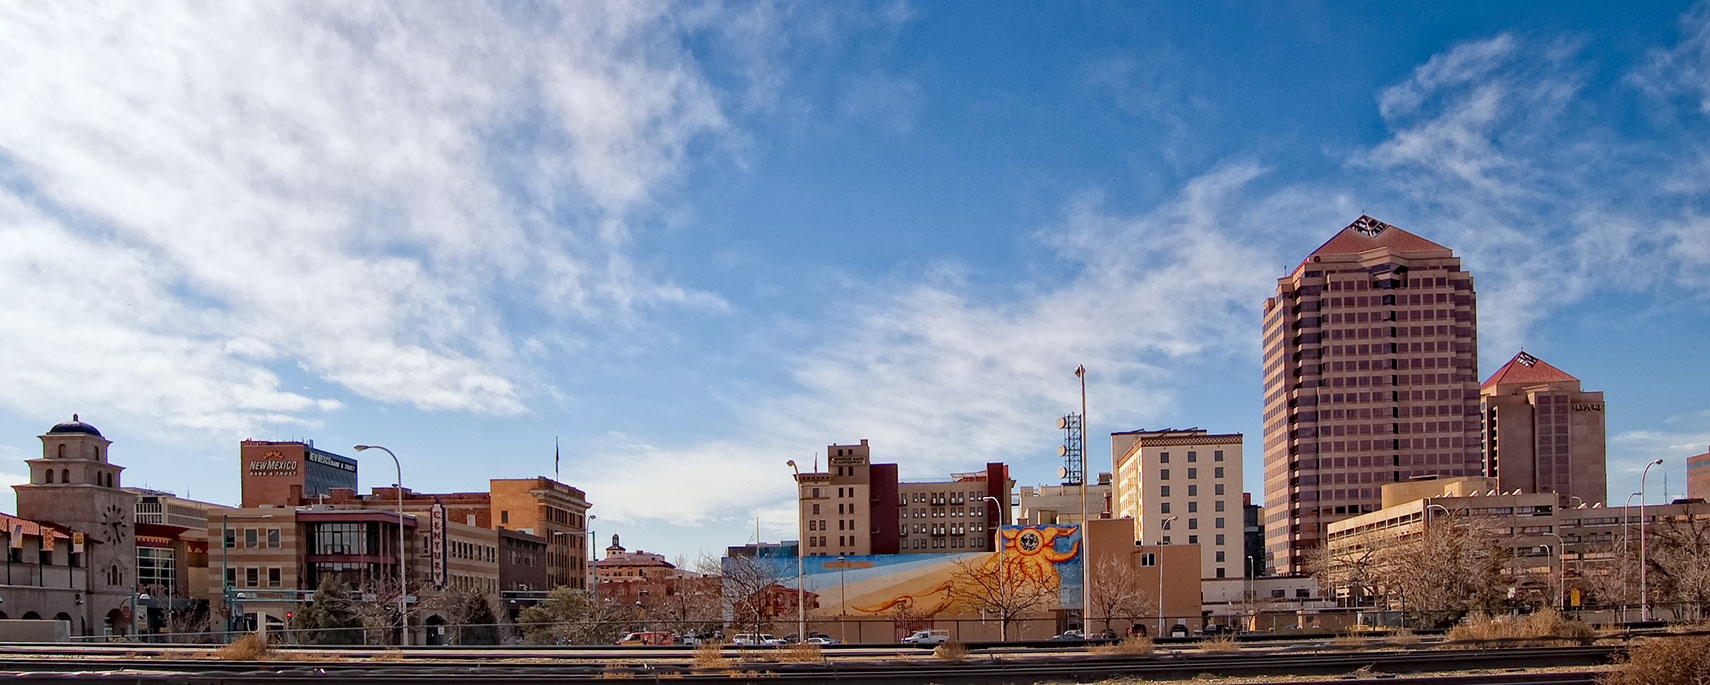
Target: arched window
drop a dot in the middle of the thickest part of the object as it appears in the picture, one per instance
(50, 475)
(62, 451)
(64, 476)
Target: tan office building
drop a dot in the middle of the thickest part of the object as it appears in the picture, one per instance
(1192, 477)
(1542, 433)
(1058, 504)
(1698, 476)
(1370, 376)
(856, 507)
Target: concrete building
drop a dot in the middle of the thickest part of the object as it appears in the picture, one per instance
(624, 566)
(1698, 476)
(1542, 433)
(522, 562)
(74, 490)
(172, 558)
(1370, 377)
(1177, 566)
(1047, 504)
(46, 578)
(1191, 476)
(290, 473)
(857, 507)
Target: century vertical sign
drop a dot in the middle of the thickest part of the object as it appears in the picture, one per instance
(436, 544)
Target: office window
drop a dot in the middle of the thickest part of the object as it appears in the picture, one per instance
(1164, 507)
(273, 538)
(252, 577)
(1164, 491)
(1193, 524)
(1217, 489)
(249, 539)
(1192, 473)
(1163, 474)
(1192, 456)
(1220, 538)
(1217, 472)
(1149, 559)
(273, 577)
(1219, 503)
(1192, 490)
(1193, 506)
(1217, 455)
(1219, 522)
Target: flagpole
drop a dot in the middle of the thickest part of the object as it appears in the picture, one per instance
(555, 458)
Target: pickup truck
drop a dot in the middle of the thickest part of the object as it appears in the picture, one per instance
(927, 638)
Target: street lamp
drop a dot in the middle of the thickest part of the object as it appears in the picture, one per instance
(1561, 551)
(1626, 522)
(403, 577)
(1165, 524)
(1086, 539)
(801, 539)
(1644, 587)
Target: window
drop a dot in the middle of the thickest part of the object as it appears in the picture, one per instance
(1279, 594)
(1220, 557)
(1163, 474)
(1217, 472)
(1192, 473)
(1217, 455)
(1193, 506)
(1193, 539)
(1192, 456)
(1220, 538)
(1192, 490)
(1164, 507)
(816, 509)
(1218, 503)
(1149, 559)
(1219, 522)
(1217, 489)
(505, 516)
(252, 577)
(231, 577)
(273, 577)
(1221, 573)
(249, 538)
(816, 492)
(231, 538)
(273, 538)
(1163, 457)
(1163, 491)
(1301, 593)
(1166, 539)
(1193, 524)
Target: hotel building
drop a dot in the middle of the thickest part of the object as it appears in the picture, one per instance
(857, 507)
(1191, 478)
(1370, 377)
(1542, 433)
(1698, 476)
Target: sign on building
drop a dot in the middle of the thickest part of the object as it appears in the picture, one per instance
(436, 544)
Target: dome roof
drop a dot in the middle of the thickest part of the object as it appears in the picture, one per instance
(75, 426)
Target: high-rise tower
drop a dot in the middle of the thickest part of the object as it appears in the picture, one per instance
(1542, 432)
(1371, 377)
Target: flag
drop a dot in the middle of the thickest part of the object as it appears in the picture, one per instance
(555, 457)
(1080, 371)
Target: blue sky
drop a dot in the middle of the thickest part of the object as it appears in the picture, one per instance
(693, 240)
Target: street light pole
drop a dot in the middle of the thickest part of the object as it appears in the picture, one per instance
(1644, 576)
(1165, 524)
(1561, 565)
(801, 539)
(1086, 537)
(403, 576)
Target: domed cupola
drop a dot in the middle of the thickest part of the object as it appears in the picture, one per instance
(74, 426)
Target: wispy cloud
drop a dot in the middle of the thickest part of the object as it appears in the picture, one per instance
(1681, 70)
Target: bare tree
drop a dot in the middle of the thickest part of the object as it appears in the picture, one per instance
(1117, 592)
(574, 617)
(986, 586)
(752, 591)
(1679, 561)
(690, 605)
(1435, 572)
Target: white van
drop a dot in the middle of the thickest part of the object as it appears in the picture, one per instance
(755, 639)
(927, 638)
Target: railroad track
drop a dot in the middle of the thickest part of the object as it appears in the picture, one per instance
(979, 668)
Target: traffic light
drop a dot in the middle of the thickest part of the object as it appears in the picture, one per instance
(288, 617)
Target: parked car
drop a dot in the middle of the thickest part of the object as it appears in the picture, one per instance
(1137, 629)
(755, 639)
(818, 640)
(927, 638)
(1069, 636)
(1217, 629)
(646, 638)
(1178, 630)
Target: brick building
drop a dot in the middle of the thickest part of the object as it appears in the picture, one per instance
(1542, 432)
(857, 507)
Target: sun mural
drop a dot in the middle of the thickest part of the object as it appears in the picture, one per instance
(1023, 552)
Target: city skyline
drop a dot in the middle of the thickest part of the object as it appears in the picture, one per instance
(785, 227)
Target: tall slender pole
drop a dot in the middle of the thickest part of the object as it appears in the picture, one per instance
(1644, 587)
(403, 576)
(801, 592)
(1561, 553)
(1086, 537)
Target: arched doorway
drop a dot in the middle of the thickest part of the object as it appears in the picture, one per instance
(435, 630)
(32, 616)
(62, 616)
(114, 623)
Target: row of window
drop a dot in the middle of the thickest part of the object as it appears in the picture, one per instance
(1192, 506)
(1192, 456)
(1193, 524)
(1193, 491)
(254, 538)
(1192, 473)
(254, 577)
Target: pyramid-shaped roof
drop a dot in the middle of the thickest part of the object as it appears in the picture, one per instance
(1525, 369)
(1367, 233)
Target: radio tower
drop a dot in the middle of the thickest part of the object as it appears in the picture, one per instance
(1070, 450)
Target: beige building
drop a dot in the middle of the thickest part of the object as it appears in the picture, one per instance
(1370, 376)
(172, 556)
(856, 507)
(1048, 504)
(1698, 476)
(1191, 477)
(1542, 433)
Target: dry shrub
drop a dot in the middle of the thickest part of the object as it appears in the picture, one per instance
(247, 647)
(1131, 645)
(393, 654)
(1219, 643)
(801, 653)
(1663, 661)
(1401, 637)
(709, 655)
(951, 651)
(1348, 640)
(1547, 628)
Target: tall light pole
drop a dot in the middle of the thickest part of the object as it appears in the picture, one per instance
(1561, 551)
(1644, 576)
(1626, 522)
(801, 539)
(997, 549)
(403, 577)
(1165, 524)
(1086, 537)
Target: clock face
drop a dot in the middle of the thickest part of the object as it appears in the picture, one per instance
(114, 521)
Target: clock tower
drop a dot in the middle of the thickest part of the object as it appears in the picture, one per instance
(74, 485)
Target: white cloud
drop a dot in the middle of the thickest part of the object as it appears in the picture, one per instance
(198, 192)
(1684, 68)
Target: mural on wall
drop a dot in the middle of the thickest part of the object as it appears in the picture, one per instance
(922, 585)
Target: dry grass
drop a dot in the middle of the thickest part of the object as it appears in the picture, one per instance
(247, 647)
(393, 654)
(1400, 637)
(1546, 628)
(951, 651)
(800, 653)
(1349, 640)
(709, 655)
(1219, 643)
(1663, 661)
(1136, 645)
